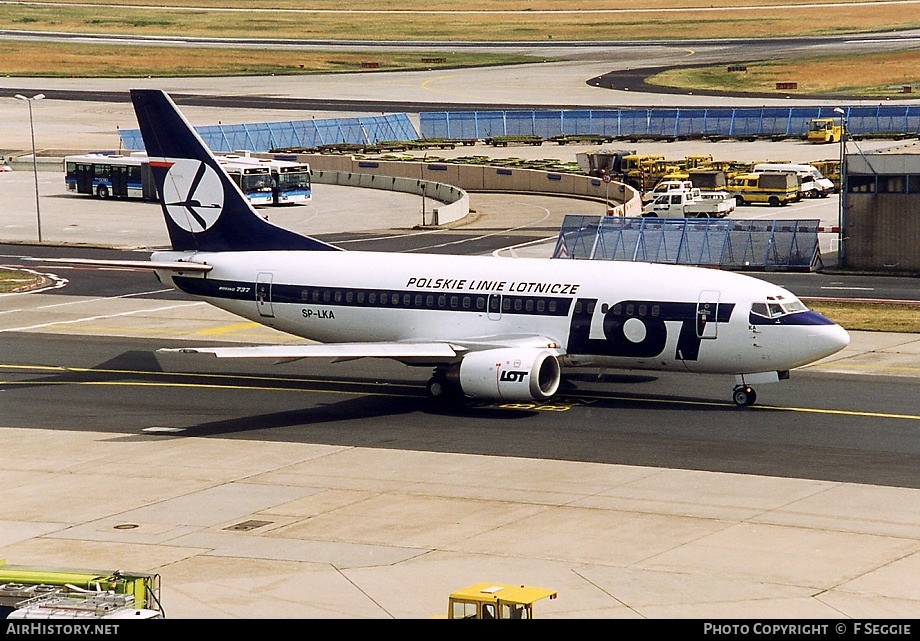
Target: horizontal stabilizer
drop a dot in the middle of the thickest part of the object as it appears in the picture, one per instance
(177, 266)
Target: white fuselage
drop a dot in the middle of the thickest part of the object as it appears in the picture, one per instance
(601, 313)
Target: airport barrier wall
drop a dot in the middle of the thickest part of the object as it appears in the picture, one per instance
(264, 136)
(624, 200)
(730, 122)
(455, 203)
(729, 244)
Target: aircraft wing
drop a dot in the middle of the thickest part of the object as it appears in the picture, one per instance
(429, 352)
(176, 266)
(337, 351)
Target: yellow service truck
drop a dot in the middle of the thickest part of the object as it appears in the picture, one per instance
(772, 187)
(495, 601)
(824, 130)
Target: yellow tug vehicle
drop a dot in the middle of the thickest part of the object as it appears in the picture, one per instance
(495, 601)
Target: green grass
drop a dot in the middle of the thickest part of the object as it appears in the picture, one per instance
(871, 317)
(13, 279)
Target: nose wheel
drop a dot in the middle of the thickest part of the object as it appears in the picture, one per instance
(744, 395)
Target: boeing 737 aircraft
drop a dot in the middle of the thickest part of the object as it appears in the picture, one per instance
(489, 327)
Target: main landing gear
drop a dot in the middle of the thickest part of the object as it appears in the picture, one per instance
(744, 395)
(444, 389)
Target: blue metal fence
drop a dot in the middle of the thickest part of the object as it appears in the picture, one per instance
(265, 136)
(679, 122)
(728, 122)
(730, 244)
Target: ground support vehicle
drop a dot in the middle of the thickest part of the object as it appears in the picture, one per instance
(504, 141)
(644, 171)
(830, 169)
(581, 139)
(667, 186)
(495, 601)
(55, 593)
(824, 130)
(725, 203)
(775, 188)
(812, 184)
(704, 179)
(690, 203)
(603, 162)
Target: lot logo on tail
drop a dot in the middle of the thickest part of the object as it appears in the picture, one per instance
(193, 195)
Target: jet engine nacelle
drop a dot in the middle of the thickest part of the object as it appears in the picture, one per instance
(510, 374)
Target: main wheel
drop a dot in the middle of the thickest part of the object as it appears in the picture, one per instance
(744, 396)
(443, 392)
(436, 388)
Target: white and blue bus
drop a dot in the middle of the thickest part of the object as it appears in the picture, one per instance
(110, 175)
(291, 182)
(255, 181)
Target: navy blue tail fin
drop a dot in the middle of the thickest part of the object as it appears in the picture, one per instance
(204, 208)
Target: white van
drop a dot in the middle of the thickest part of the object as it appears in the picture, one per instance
(812, 183)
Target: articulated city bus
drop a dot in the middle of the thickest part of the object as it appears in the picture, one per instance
(264, 182)
(110, 175)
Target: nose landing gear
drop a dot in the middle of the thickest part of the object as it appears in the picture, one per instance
(744, 395)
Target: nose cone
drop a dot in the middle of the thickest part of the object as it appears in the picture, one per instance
(827, 340)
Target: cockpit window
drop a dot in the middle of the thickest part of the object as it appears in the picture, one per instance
(778, 306)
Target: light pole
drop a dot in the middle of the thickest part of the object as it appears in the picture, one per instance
(422, 184)
(38, 215)
(841, 214)
(606, 178)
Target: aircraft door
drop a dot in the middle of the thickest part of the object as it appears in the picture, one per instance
(707, 310)
(495, 306)
(264, 295)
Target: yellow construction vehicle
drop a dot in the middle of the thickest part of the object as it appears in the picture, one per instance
(495, 601)
(41, 593)
(643, 171)
(824, 130)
